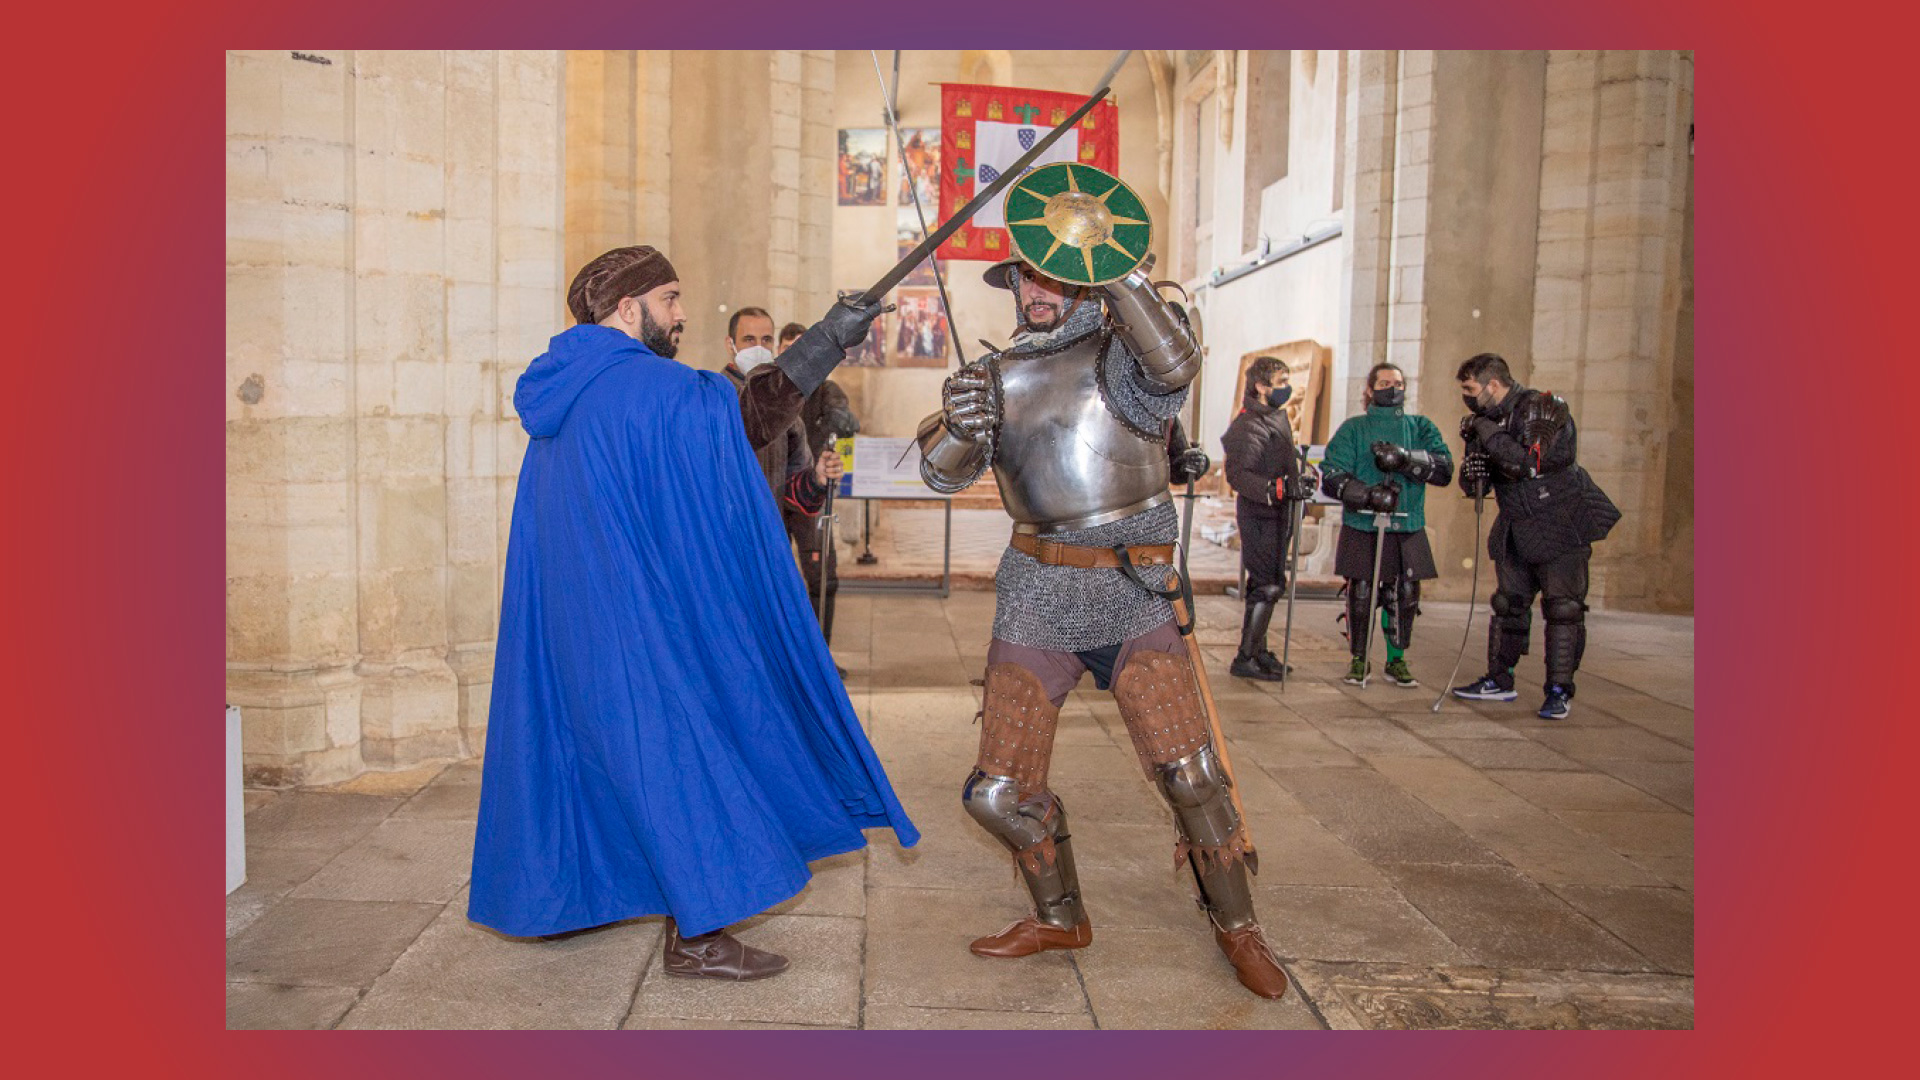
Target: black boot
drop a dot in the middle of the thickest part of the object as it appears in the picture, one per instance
(1253, 640)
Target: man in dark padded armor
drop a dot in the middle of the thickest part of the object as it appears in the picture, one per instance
(1522, 444)
(1073, 418)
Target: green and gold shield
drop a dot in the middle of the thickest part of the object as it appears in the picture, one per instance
(1078, 224)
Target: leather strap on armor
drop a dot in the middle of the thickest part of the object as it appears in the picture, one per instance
(1054, 553)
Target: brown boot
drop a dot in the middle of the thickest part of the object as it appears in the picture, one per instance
(1030, 935)
(718, 956)
(1253, 959)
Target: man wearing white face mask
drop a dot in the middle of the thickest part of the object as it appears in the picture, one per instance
(796, 478)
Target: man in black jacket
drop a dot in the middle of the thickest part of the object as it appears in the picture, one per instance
(1522, 444)
(1263, 468)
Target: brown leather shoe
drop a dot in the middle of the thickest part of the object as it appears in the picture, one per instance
(718, 956)
(1253, 960)
(1030, 935)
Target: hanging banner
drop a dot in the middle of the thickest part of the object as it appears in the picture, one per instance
(984, 129)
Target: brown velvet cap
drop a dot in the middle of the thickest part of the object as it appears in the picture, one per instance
(629, 271)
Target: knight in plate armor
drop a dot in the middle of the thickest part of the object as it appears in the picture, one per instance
(1073, 417)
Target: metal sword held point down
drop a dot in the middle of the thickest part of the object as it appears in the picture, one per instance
(1473, 599)
(1293, 586)
(965, 214)
(1366, 618)
(826, 539)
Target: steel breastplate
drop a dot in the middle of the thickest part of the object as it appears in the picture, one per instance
(1064, 459)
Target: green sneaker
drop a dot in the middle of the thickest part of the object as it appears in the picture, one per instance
(1398, 674)
(1357, 672)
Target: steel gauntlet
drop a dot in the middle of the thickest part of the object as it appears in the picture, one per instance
(1154, 329)
(956, 443)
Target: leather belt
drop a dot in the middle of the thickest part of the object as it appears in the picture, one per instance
(1054, 553)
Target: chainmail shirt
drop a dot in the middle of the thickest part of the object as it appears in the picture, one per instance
(1066, 608)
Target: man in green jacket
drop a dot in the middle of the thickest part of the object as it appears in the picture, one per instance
(1380, 463)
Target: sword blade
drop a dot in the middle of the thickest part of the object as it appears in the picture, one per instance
(939, 236)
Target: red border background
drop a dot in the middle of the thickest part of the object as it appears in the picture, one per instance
(114, 545)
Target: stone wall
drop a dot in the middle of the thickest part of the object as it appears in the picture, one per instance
(393, 260)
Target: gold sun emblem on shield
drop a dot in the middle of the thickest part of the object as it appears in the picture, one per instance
(1077, 223)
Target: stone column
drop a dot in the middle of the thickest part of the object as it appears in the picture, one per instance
(1613, 206)
(292, 600)
(393, 234)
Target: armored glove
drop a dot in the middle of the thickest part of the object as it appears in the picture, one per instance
(1190, 464)
(1483, 428)
(1389, 458)
(970, 402)
(1300, 488)
(1476, 473)
(1382, 498)
(1466, 427)
(815, 353)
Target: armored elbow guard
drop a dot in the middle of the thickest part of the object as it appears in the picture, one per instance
(1154, 330)
(950, 461)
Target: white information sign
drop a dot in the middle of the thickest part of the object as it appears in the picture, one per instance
(885, 468)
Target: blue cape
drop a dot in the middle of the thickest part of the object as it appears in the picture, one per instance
(667, 733)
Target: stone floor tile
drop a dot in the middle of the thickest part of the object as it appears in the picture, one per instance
(1292, 748)
(1402, 997)
(677, 1023)
(1629, 743)
(1177, 979)
(1656, 922)
(1372, 738)
(1453, 723)
(1503, 919)
(266, 1007)
(1320, 923)
(838, 887)
(1122, 898)
(1506, 754)
(1556, 790)
(822, 986)
(1675, 870)
(416, 859)
(1297, 850)
(1536, 842)
(1378, 820)
(315, 821)
(462, 975)
(302, 942)
(954, 852)
(1636, 833)
(911, 1018)
(1668, 781)
(917, 955)
(442, 802)
(401, 783)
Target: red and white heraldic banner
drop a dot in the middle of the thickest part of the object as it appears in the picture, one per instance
(985, 129)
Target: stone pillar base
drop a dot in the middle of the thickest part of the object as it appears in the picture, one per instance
(297, 727)
(409, 714)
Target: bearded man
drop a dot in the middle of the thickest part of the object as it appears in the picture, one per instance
(1073, 417)
(667, 735)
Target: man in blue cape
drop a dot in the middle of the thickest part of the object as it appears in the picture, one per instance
(667, 733)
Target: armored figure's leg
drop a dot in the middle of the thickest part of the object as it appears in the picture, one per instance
(1359, 610)
(1401, 603)
(1160, 702)
(1253, 634)
(1566, 639)
(1007, 794)
(1507, 634)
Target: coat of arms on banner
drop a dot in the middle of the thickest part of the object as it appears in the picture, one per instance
(986, 129)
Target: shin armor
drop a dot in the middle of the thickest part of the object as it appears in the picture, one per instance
(1507, 632)
(1401, 601)
(1007, 793)
(1566, 635)
(1160, 701)
(1359, 610)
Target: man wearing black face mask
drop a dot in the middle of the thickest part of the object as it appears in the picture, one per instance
(1521, 443)
(1380, 463)
(1263, 468)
